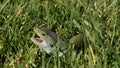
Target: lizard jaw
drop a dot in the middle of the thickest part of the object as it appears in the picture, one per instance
(42, 44)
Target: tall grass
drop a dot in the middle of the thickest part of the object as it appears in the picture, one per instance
(98, 21)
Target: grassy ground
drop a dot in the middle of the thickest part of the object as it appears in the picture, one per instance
(97, 20)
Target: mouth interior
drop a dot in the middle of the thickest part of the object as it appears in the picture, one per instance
(37, 39)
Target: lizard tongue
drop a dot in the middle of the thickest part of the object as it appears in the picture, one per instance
(37, 40)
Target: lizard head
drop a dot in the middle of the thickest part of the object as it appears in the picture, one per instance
(46, 39)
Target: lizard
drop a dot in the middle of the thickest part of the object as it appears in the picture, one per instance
(48, 41)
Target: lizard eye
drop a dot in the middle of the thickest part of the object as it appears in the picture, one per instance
(43, 34)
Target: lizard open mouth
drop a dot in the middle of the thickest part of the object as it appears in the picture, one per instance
(39, 40)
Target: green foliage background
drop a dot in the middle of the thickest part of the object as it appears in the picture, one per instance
(97, 20)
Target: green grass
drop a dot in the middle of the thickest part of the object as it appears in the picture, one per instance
(97, 20)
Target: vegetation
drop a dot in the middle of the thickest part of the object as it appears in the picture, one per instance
(97, 20)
